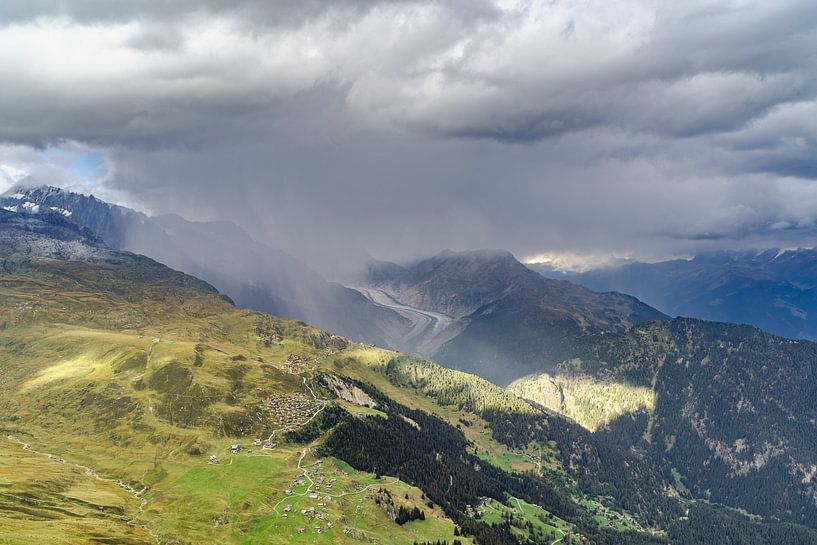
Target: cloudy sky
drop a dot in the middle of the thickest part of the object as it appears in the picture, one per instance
(579, 128)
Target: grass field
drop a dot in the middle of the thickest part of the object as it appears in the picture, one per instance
(44, 500)
(525, 518)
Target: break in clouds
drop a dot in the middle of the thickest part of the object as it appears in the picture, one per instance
(638, 128)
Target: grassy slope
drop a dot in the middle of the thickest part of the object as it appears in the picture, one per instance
(143, 385)
(144, 388)
(141, 374)
(47, 501)
(548, 527)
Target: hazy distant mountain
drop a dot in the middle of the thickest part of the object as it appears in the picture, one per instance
(506, 320)
(252, 274)
(774, 290)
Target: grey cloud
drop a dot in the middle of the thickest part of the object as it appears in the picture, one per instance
(157, 37)
(783, 142)
(254, 13)
(459, 70)
(399, 128)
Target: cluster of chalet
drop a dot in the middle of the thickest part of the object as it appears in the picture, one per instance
(296, 365)
(322, 481)
(290, 410)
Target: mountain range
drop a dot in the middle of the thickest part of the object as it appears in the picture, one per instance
(479, 311)
(505, 320)
(180, 418)
(140, 406)
(773, 289)
(726, 409)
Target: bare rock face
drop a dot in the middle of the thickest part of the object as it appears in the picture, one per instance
(349, 392)
(47, 236)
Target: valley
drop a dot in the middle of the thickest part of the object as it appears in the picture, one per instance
(159, 383)
(203, 421)
(426, 325)
(506, 321)
(408, 272)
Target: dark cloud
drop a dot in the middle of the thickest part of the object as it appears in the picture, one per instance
(401, 127)
(253, 13)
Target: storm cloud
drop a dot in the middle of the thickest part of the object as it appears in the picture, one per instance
(332, 129)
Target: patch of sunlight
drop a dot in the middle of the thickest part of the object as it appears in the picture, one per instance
(589, 402)
(85, 366)
(370, 356)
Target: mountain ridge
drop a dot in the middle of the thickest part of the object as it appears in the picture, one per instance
(772, 289)
(508, 319)
(254, 275)
(146, 375)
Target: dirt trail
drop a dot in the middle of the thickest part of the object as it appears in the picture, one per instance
(90, 472)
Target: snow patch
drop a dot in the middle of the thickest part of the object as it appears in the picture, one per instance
(62, 211)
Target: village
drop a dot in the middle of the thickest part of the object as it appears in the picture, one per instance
(297, 365)
(286, 411)
(313, 494)
(290, 410)
(313, 507)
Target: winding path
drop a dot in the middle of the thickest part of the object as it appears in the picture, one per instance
(312, 483)
(90, 472)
